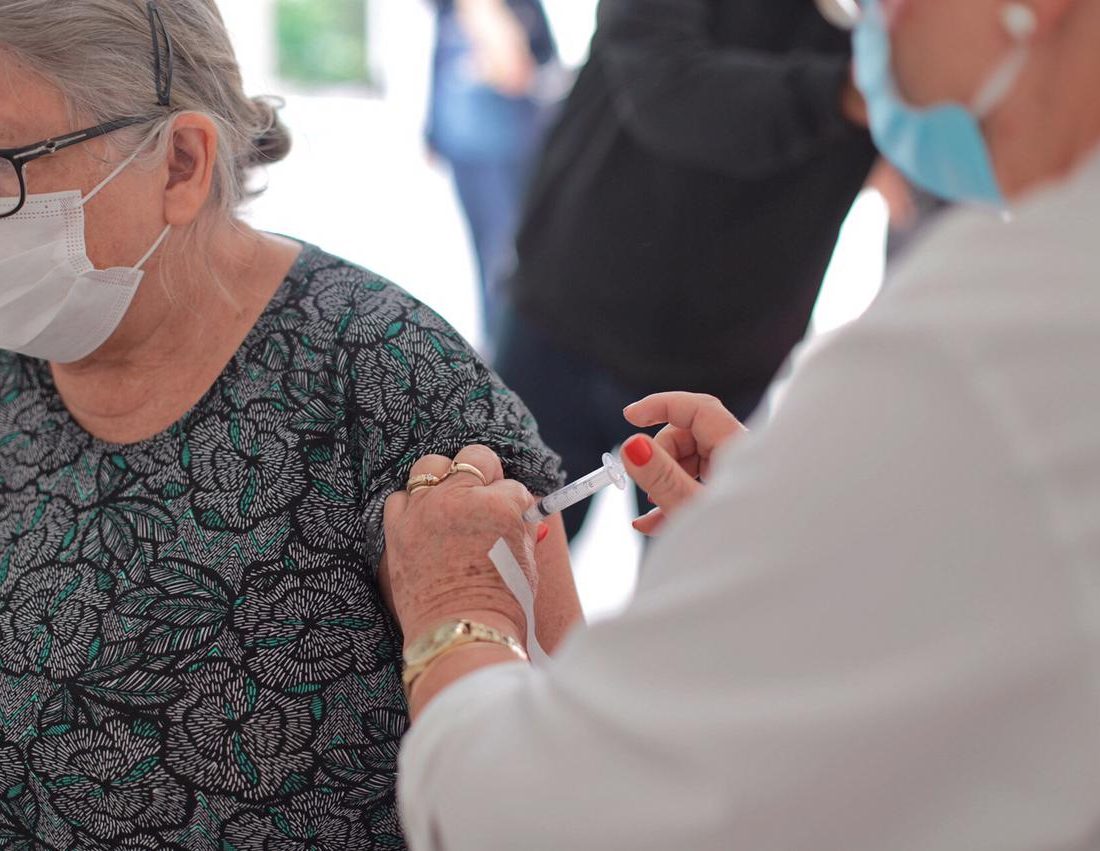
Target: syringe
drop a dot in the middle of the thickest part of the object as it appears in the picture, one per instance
(612, 473)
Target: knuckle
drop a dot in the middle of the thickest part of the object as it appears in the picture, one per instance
(667, 481)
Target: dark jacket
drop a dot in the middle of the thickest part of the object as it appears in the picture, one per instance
(690, 196)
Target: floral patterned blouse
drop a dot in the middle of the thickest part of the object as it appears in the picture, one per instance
(193, 652)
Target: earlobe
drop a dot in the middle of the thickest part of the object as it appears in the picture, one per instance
(1020, 21)
(192, 154)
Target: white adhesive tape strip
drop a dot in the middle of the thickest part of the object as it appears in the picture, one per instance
(514, 577)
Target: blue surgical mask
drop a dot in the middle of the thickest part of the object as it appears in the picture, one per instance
(941, 149)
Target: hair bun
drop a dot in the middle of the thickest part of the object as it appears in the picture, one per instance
(272, 141)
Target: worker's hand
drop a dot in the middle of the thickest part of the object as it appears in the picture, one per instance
(438, 538)
(671, 466)
(852, 105)
(897, 192)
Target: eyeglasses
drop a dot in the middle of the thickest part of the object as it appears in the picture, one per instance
(13, 179)
(13, 161)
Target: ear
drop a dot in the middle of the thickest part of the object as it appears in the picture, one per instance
(192, 155)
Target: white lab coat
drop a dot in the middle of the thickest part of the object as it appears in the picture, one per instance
(880, 628)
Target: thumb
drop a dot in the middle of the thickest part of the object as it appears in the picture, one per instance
(657, 473)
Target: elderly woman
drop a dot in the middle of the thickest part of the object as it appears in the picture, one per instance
(199, 426)
(878, 628)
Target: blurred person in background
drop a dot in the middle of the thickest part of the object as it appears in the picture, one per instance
(912, 211)
(683, 213)
(492, 73)
(877, 627)
(199, 427)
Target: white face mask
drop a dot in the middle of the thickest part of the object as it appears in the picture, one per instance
(54, 304)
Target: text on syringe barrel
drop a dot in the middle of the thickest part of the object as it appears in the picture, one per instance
(574, 493)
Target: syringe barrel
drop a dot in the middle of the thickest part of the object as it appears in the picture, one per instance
(536, 513)
(578, 491)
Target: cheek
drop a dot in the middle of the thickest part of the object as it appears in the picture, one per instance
(922, 32)
(121, 222)
(943, 50)
(893, 9)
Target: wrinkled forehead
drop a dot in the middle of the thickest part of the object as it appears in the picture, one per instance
(31, 108)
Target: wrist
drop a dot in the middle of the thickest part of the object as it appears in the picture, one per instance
(455, 665)
(506, 619)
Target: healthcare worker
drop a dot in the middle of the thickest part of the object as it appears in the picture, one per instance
(877, 626)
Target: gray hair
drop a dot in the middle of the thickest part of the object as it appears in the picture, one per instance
(99, 53)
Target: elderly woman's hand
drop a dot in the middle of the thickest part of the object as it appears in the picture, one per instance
(671, 467)
(438, 539)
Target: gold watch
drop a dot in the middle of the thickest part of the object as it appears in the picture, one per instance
(446, 637)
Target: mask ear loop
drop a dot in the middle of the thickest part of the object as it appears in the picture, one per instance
(153, 250)
(122, 166)
(1020, 22)
(118, 170)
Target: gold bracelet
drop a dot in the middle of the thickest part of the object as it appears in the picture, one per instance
(429, 648)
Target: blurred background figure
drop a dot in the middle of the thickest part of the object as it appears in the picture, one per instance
(489, 106)
(356, 76)
(682, 215)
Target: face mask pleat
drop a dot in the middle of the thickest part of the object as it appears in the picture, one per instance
(54, 304)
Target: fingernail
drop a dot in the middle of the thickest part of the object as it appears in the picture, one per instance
(542, 532)
(638, 450)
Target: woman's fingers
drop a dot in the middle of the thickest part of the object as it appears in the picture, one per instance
(704, 417)
(650, 524)
(484, 459)
(428, 472)
(434, 465)
(656, 472)
(680, 444)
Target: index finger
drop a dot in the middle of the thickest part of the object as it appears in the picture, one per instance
(703, 416)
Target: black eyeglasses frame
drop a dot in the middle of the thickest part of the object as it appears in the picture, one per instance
(163, 62)
(19, 157)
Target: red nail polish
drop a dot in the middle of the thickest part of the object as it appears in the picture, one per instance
(542, 532)
(638, 450)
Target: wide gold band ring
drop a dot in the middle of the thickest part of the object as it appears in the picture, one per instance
(457, 467)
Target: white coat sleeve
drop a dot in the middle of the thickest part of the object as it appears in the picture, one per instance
(863, 637)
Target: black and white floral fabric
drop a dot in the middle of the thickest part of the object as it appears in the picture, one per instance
(193, 653)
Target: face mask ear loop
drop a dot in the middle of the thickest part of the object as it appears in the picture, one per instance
(122, 166)
(160, 239)
(1020, 23)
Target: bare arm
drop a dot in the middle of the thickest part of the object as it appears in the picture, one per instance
(501, 46)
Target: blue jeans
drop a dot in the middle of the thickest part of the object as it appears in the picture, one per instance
(489, 140)
(491, 195)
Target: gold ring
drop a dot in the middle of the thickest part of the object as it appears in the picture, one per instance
(456, 467)
(428, 480)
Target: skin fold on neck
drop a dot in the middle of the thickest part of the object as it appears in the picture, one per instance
(174, 344)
